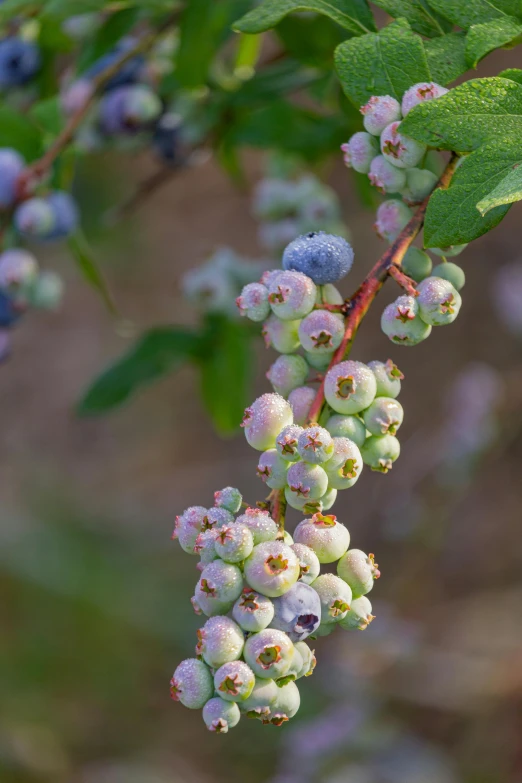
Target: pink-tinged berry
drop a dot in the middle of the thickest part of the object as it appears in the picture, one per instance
(216, 517)
(259, 704)
(287, 373)
(419, 184)
(188, 527)
(18, 270)
(272, 469)
(234, 681)
(388, 377)
(301, 400)
(349, 387)
(321, 331)
(286, 704)
(218, 587)
(379, 112)
(307, 481)
(380, 452)
(384, 416)
(309, 565)
(292, 295)
(385, 176)
(191, 684)
(359, 151)
(439, 301)
(252, 611)
(228, 498)
(347, 426)
(336, 597)
(301, 503)
(401, 323)
(233, 543)
(220, 715)
(264, 420)
(253, 302)
(281, 335)
(327, 537)
(399, 149)
(419, 93)
(260, 523)
(359, 616)
(297, 612)
(308, 658)
(269, 653)
(315, 445)
(319, 361)
(272, 568)
(345, 466)
(219, 641)
(286, 442)
(358, 570)
(205, 547)
(392, 217)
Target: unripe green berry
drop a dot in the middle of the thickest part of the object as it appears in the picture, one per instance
(345, 465)
(439, 302)
(308, 658)
(234, 543)
(385, 176)
(420, 93)
(380, 452)
(191, 684)
(259, 703)
(272, 568)
(392, 217)
(419, 184)
(329, 498)
(319, 361)
(229, 498)
(269, 653)
(349, 387)
(309, 564)
(295, 667)
(286, 705)
(400, 150)
(347, 426)
(220, 715)
(188, 527)
(219, 586)
(301, 503)
(272, 469)
(449, 252)
(291, 295)
(219, 641)
(402, 324)
(360, 151)
(416, 264)
(301, 400)
(327, 537)
(261, 524)
(385, 415)
(335, 595)
(388, 377)
(252, 611)
(281, 335)
(307, 481)
(315, 445)
(205, 547)
(321, 331)
(287, 373)
(329, 294)
(253, 302)
(359, 615)
(286, 442)
(359, 571)
(264, 420)
(452, 272)
(234, 681)
(379, 112)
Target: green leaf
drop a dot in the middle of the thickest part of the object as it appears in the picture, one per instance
(48, 115)
(17, 131)
(384, 63)
(353, 15)
(310, 39)
(106, 36)
(88, 266)
(465, 13)
(515, 74)
(507, 191)
(226, 372)
(156, 353)
(203, 29)
(469, 115)
(10, 8)
(272, 82)
(422, 18)
(485, 38)
(446, 57)
(452, 217)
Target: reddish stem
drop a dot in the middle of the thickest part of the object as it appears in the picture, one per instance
(403, 280)
(333, 308)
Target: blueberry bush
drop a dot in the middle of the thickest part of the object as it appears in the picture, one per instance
(306, 81)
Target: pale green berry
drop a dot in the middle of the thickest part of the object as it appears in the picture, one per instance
(329, 294)
(335, 596)
(385, 176)
(420, 93)
(385, 415)
(388, 377)
(234, 543)
(272, 568)
(419, 184)
(188, 527)
(358, 570)
(329, 498)
(319, 361)
(309, 564)
(349, 387)
(321, 331)
(347, 426)
(439, 302)
(451, 272)
(261, 524)
(281, 335)
(287, 538)
(291, 295)
(252, 611)
(301, 400)
(264, 420)
(286, 442)
(205, 547)
(307, 481)
(451, 250)
(286, 705)
(401, 323)
(416, 264)
(269, 653)
(380, 452)
(392, 216)
(345, 466)
(308, 658)
(315, 445)
(434, 162)
(219, 586)
(359, 151)
(220, 715)
(295, 667)
(379, 112)
(399, 149)
(327, 537)
(359, 616)
(301, 503)
(287, 373)
(253, 302)
(216, 517)
(191, 684)
(229, 498)
(261, 700)
(272, 469)
(219, 641)
(325, 629)
(234, 681)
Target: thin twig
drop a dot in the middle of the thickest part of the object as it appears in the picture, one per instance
(403, 280)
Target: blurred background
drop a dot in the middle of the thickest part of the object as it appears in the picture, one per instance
(96, 611)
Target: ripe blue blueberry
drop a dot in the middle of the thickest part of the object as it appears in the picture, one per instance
(192, 684)
(128, 73)
(166, 137)
(9, 312)
(358, 570)
(349, 387)
(325, 258)
(19, 61)
(297, 612)
(128, 109)
(11, 166)
(327, 537)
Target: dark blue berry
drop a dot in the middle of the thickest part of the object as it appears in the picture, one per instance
(19, 61)
(9, 313)
(325, 258)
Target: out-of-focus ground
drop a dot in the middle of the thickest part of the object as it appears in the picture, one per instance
(95, 611)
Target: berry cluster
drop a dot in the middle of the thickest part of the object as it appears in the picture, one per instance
(401, 166)
(264, 595)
